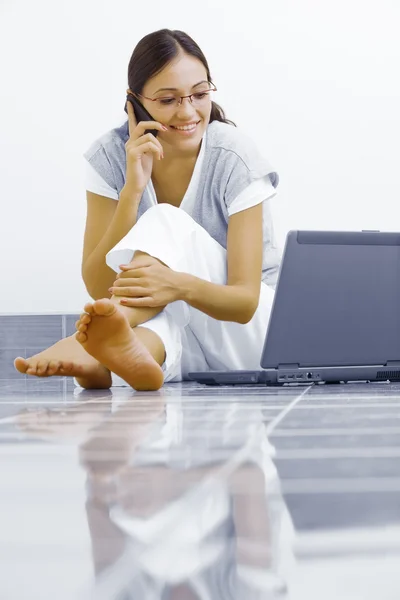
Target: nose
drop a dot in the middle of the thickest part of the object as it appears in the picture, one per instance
(185, 108)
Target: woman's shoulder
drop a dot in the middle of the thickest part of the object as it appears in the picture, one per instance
(110, 142)
(107, 156)
(225, 135)
(237, 147)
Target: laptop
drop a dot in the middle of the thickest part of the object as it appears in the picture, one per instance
(336, 313)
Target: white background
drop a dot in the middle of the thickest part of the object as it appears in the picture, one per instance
(315, 83)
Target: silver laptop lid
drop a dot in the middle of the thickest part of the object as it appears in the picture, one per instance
(337, 301)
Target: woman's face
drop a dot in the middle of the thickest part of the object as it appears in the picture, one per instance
(186, 75)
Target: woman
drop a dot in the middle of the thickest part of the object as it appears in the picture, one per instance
(182, 216)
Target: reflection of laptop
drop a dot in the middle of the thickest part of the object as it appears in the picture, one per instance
(336, 312)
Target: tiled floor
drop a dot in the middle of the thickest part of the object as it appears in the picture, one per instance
(175, 495)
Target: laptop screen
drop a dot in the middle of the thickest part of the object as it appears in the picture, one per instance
(337, 301)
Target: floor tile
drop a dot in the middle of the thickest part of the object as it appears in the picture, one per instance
(344, 417)
(113, 494)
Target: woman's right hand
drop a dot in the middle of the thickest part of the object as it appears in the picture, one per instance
(140, 152)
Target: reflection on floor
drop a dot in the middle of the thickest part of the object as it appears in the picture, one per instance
(199, 493)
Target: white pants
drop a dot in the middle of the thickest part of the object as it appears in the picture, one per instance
(193, 341)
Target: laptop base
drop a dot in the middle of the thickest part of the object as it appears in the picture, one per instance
(299, 376)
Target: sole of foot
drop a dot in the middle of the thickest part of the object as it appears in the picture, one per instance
(105, 333)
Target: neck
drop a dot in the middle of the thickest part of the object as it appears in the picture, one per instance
(173, 154)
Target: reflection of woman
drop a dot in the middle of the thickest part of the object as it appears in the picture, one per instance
(171, 523)
(216, 254)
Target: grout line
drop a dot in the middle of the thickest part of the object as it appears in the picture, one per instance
(360, 540)
(6, 420)
(38, 314)
(335, 453)
(360, 405)
(46, 447)
(275, 422)
(341, 486)
(296, 432)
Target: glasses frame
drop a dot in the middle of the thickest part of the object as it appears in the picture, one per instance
(180, 98)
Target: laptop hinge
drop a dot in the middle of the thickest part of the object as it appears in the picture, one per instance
(393, 363)
(288, 366)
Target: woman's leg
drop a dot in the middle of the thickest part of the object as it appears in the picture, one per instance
(69, 358)
(183, 245)
(180, 243)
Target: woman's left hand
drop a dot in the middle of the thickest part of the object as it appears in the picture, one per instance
(145, 282)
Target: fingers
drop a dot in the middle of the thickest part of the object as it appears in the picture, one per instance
(142, 261)
(127, 283)
(129, 278)
(129, 291)
(149, 137)
(142, 126)
(138, 148)
(143, 139)
(146, 302)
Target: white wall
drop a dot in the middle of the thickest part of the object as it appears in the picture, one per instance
(314, 82)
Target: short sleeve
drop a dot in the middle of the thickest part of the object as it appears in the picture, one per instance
(104, 165)
(96, 184)
(250, 179)
(255, 193)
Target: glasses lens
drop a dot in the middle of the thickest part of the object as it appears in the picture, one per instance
(200, 98)
(166, 103)
(172, 102)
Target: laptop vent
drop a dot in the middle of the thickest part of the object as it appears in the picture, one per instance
(388, 375)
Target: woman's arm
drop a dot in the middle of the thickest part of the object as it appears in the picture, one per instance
(107, 222)
(237, 300)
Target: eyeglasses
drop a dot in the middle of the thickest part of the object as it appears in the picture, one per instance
(172, 102)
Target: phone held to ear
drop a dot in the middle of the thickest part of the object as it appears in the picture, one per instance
(141, 113)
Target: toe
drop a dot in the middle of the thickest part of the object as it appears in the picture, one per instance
(21, 364)
(85, 318)
(41, 368)
(66, 367)
(104, 307)
(53, 367)
(82, 328)
(88, 308)
(81, 337)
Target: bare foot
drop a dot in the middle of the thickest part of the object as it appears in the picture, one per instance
(105, 333)
(66, 358)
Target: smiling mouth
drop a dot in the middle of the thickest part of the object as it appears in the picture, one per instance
(190, 127)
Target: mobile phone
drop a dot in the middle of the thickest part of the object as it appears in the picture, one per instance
(141, 113)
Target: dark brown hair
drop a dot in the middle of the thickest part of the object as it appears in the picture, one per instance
(155, 51)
